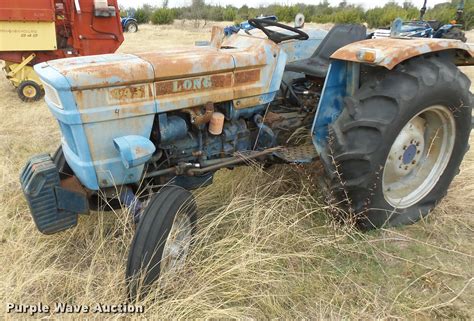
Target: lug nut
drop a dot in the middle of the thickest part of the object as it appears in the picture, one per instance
(413, 162)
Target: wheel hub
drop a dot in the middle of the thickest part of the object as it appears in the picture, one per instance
(407, 149)
(177, 244)
(418, 156)
(29, 91)
(409, 154)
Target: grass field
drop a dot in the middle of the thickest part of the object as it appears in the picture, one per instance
(266, 247)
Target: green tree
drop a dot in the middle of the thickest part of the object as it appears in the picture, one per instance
(162, 16)
(230, 13)
(349, 15)
(143, 14)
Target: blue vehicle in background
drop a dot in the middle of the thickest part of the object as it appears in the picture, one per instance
(426, 28)
(129, 23)
(246, 26)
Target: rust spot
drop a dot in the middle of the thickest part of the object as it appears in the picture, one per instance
(247, 76)
(201, 115)
(272, 117)
(140, 151)
(79, 98)
(191, 62)
(89, 73)
(71, 183)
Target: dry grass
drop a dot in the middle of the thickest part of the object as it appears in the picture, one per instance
(265, 247)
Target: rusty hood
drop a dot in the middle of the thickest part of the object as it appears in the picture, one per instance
(125, 69)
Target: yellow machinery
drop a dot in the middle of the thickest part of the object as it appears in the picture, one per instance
(24, 78)
(26, 27)
(34, 31)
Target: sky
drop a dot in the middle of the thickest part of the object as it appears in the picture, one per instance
(255, 3)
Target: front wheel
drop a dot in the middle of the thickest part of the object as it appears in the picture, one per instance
(162, 238)
(399, 142)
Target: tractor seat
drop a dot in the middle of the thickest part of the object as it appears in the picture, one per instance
(340, 35)
(434, 24)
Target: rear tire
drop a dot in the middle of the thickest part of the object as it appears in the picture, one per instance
(131, 26)
(366, 146)
(162, 238)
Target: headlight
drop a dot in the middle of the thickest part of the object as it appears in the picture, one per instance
(52, 95)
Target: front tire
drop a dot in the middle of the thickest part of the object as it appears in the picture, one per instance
(399, 142)
(162, 238)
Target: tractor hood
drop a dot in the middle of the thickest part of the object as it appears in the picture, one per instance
(236, 53)
(124, 69)
(97, 71)
(98, 99)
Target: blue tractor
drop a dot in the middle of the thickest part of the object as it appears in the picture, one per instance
(427, 28)
(388, 119)
(129, 23)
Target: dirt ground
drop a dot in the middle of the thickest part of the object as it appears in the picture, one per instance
(277, 255)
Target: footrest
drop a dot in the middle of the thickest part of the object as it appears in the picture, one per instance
(40, 183)
(298, 154)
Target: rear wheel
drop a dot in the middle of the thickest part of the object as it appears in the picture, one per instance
(399, 142)
(131, 26)
(29, 91)
(162, 239)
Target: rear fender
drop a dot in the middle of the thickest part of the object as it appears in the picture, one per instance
(126, 20)
(343, 75)
(389, 52)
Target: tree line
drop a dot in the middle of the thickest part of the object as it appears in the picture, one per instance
(319, 13)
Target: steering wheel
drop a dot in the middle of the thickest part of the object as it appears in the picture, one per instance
(276, 36)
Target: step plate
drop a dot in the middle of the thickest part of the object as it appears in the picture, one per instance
(298, 154)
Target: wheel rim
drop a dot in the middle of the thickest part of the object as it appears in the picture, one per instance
(177, 243)
(132, 28)
(418, 156)
(29, 91)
